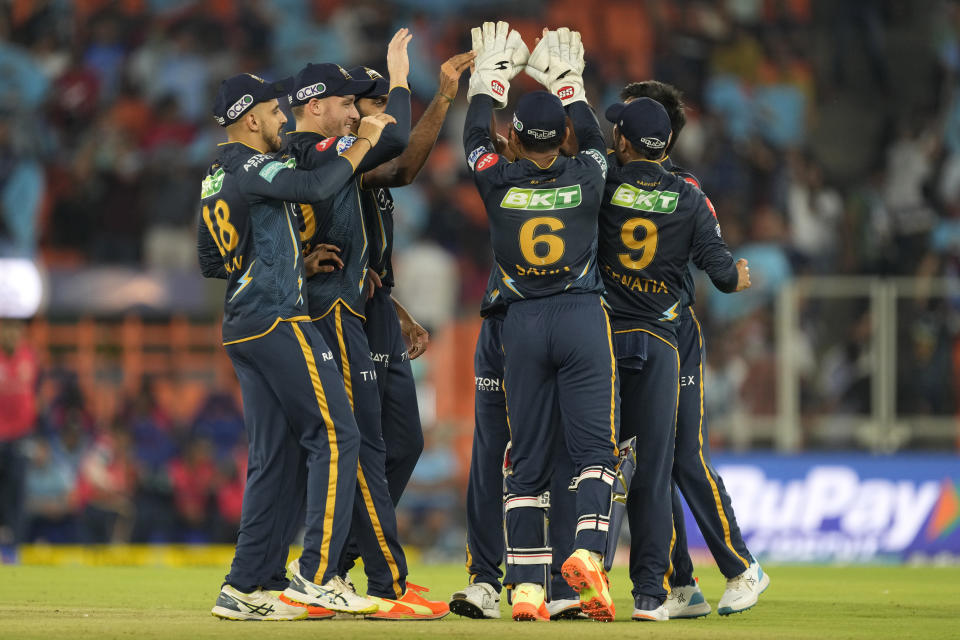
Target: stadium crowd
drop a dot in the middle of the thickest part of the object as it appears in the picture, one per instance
(105, 131)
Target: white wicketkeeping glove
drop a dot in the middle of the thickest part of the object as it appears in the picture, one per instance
(557, 63)
(501, 54)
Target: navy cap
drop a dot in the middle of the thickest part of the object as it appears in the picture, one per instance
(381, 85)
(540, 116)
(644, 122)
(238, 94)
(325, 80)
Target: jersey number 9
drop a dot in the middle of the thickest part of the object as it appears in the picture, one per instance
(530, 241)
(647, 246)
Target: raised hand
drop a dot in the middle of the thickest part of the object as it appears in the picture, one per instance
(372, 126)
(398, 62)
(450, 73)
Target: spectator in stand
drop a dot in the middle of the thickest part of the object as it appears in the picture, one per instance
(18, 416)
(194, 476)
(221, 422)
(230, 481)
(106, 488)
(51, 503)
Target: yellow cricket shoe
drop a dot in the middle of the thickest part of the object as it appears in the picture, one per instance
(586, 576)
(410, 606)
(528, 603)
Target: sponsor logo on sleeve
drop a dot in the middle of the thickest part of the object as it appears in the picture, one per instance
(542, 199)
(324, 144)
(631, 197)
(487, 161)
(255, 161)
(270, 170)
(692, 181)
(345, 143)
(602, 161)
(474, 155)
(710, 206)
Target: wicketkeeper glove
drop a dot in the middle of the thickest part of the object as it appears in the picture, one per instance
(557, 63)
(501, 54)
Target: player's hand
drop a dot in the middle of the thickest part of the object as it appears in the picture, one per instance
(498, 51)
(372, 126)
(557, 63)
(450, 73)
(398, 62)
(416, 337)
(322, 253)
(373, 282)
(743, 275)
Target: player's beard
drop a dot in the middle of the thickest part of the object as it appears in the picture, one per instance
(273, 142)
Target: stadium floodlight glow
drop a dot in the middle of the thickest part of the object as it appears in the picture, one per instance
(21, 288)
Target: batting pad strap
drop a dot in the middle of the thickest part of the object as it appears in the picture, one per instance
(593, 522)
(542, 555)
(534, 502)
(596, 472)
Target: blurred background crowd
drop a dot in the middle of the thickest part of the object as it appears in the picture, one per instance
(827, 135)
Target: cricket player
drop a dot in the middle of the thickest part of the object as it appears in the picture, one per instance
(652, 223)
(389, 327)
(693, 472)
(543, 217)
(322, 102)
(293, 397)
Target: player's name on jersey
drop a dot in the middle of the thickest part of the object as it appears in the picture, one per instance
(542, 199)
(635, 283)
(533, 271)
(631, 197)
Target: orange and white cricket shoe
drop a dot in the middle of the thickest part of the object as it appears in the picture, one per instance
(313, 613)
(528, 603)
(586, 576)
(410, 606)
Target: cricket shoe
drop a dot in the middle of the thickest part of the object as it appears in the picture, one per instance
(585, 575)
(334, 595)
(259, 605)
(410, 606)
(528, 603)
(687, 602)
(566, 609)
(744, 590)
(478, 600)
(314, 613)
(647, 609)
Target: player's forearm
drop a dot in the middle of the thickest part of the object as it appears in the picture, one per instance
(423, 137)
(476, 131)
(211, 262)
(395, 137)
(586, 127)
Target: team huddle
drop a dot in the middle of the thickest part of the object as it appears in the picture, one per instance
(581, 420)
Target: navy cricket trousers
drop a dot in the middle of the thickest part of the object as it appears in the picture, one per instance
(399, 413)
(649, 385)
(558, 351)
(485, 546)
(374, 519)
(296, 412)
(693, 473)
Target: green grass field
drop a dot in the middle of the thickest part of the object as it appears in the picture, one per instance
(802, 602)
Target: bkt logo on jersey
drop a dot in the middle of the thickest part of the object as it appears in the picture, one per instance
(542, 199)
(655, 201)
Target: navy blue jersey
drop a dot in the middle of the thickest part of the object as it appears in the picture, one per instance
(247, 236)
(543, 221)
(689, 288)
(378, 214)
(652, 224)
(492, 302)
(342, 223)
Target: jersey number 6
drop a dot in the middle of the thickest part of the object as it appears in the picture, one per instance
(529, 240)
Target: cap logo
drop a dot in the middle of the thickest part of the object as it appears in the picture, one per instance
(239, 107)
(309, 92)
(257, 78)
(541, 134)
(517, 124)
(346, 74)
(653, 143)
(373, 75)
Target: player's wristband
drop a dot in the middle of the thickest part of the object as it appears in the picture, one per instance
(447, 98)
(367, 139)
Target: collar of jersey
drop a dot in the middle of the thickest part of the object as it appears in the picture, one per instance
(243, 144)
(538, 167)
